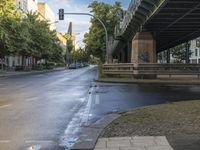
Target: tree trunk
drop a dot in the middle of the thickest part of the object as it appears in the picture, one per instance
(23, 61)
(2, 63)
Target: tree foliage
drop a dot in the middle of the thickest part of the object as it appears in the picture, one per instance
(79, 55)
(26, 35)
(95, 39)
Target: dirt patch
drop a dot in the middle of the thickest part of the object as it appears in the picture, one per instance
(179, 121)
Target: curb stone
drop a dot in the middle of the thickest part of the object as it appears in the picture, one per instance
(90, 135)
(155, 82)
(30, 73)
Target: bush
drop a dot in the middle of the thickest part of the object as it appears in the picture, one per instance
(19, 68)
(49, 65)
(60, 65)
(22, 68)
(37, 67)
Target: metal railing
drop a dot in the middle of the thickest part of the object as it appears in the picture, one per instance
(151, 69)
(129, 14)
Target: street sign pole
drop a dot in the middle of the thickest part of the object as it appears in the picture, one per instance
(62, 13)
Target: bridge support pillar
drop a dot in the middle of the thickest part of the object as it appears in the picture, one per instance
(143, 51)
(143, 48)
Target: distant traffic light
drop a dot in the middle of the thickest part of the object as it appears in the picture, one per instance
(61, 14)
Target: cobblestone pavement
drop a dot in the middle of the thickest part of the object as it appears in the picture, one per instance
(133, 143)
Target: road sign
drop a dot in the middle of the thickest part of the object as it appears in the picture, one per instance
(61, 14)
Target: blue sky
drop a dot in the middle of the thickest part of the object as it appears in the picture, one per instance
(80, 23)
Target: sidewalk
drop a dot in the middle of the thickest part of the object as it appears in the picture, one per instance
(133, 143)
(173, 126)
(17, 73)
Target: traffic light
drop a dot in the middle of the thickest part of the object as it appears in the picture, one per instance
(61, 14)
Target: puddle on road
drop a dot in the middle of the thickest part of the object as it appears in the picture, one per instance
(34, 147)
(74, 129)
(80, 120)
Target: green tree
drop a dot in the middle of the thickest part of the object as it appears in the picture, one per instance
(44, 43)
(26, 36)
(19, 38)
(80, 55)
(8, 15)
(95, 39)
(8, 9)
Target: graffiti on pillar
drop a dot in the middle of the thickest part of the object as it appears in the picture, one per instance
(143, 57)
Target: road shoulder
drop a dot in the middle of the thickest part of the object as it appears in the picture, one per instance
(14, 73)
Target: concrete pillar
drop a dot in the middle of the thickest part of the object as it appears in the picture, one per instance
(143, 48)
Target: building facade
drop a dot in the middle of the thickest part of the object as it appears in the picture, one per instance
(27, 5)
(195, 49)
(46, 13)
(62, 41)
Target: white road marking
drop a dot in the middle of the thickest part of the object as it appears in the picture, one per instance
(5, 106)
(97, 100)
(38, 141)
(5, 141)
(85, 116)
(31, 99)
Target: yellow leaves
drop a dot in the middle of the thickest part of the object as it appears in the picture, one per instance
(68, 36)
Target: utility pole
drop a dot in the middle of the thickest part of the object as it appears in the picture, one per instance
(61, 17)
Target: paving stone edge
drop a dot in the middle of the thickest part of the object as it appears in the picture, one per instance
(89, 137)
(146, 81)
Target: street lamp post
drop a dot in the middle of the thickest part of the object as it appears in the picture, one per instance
(106, 32)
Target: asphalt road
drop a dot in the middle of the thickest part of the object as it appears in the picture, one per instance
(37, 109)
(47, 111)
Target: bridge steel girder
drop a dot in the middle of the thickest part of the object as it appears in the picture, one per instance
(139, 17)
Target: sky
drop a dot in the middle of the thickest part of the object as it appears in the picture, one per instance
(81, 24)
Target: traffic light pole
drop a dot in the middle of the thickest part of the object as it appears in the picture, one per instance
(106, 32)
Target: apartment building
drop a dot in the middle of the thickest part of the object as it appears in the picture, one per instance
(27, 5)
(195, 48)
(46, 13)
(62, 41)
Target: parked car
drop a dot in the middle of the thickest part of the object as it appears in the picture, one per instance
(72, 66)
(78, 65)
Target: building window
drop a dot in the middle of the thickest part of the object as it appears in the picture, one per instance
(25, 5)
(196, 52)
(19, 5)
(199, 52)
(198, 43)
(194, 61)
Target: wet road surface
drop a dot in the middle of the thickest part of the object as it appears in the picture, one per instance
(48, 110)
(36, 109)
